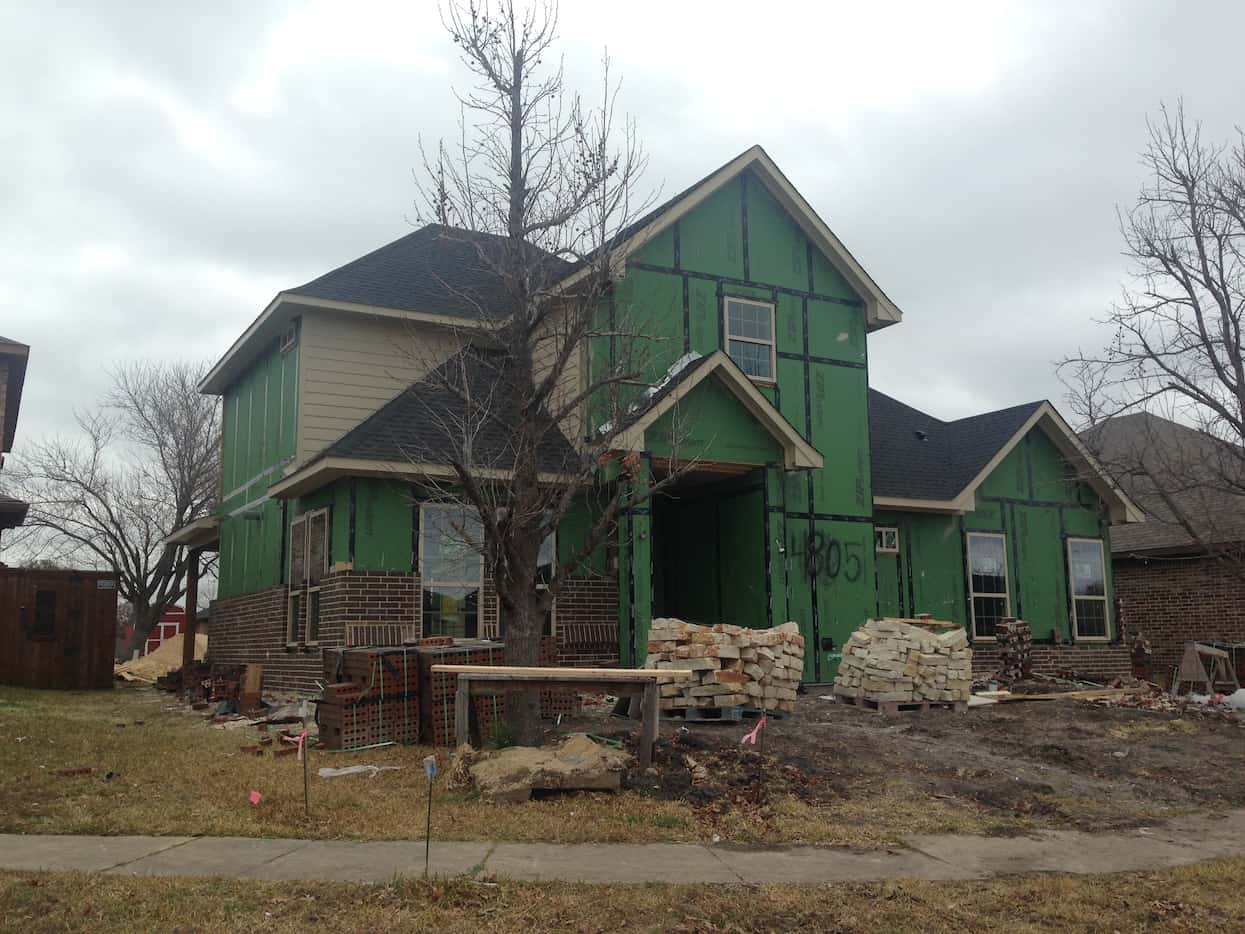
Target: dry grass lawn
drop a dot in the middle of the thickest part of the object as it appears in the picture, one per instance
(175, 774)
(1207, 897)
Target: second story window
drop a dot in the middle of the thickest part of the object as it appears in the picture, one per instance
(750, 337)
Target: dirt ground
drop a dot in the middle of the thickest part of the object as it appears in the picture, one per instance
(1003, 768)
(831, 774)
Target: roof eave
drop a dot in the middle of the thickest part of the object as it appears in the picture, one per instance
(319, 473)
(202, 533)
(797, 453)
(17, 355)
(955, 506)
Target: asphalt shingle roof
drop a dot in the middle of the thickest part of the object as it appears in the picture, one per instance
(436, 269)
(1146, 454)
(917, 456)
(420, 424)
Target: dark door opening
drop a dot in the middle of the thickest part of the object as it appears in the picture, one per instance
(709, 550)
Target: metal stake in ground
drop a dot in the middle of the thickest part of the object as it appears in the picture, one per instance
(430, 769)
(304, 753)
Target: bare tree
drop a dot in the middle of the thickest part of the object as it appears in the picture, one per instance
(1176, 349)
(147, 462)
(540, 189)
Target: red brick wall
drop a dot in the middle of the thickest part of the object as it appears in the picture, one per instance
(250, 628)
(1090, 662)
(587, 622)
(1174, 601)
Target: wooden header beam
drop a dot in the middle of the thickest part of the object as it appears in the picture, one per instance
(518, 673)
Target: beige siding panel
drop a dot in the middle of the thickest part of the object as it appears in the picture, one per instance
(350, 365)
(569, 381)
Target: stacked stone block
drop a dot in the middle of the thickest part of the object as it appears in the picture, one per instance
(732, 666)
(892, 661)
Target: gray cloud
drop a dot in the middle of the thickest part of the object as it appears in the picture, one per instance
(168, 168)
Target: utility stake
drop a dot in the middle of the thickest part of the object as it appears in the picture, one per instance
(305, 754)
(430, 769)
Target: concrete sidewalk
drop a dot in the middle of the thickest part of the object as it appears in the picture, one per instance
(938, 856)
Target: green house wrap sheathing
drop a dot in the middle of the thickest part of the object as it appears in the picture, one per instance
(259, 424)
(799, 546)
(1033, 500)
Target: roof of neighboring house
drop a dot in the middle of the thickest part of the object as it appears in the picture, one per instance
(1171, 469)
(438, 269)
(12, 512)
(917, 456)
(420, 424)
(15, 354)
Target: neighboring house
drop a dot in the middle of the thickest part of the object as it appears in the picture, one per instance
(799, 509)
(1180, 575)
(13, 358)
(56, 627)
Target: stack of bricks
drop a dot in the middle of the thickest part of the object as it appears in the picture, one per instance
(732, 666)
(439, 689)
(1015, 641)
(893, 661)
(373, 697)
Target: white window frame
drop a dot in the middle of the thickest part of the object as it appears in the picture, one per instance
(880, 533)
(772, 343)
(972, 594)
(424, 579)
(1072, 597)
(297, 631)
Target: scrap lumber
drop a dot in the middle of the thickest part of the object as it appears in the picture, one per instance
(727, 666)
(892, 661)
(1007, 697)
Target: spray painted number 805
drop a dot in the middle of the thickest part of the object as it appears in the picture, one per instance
(827, 557)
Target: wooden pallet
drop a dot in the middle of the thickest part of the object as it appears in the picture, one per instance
(754, 713)
(705, 714)
(900, 706)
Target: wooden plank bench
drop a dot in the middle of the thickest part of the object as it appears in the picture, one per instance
(476, 680)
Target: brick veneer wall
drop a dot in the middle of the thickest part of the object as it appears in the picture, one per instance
(1174, 601)
(1091, 662)
(250, 628)
(587, 626)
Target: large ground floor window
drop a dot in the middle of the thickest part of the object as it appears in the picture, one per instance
(988, 594)
(451, 569)
(1087, 581)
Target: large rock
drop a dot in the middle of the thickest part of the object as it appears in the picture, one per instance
(577, 764)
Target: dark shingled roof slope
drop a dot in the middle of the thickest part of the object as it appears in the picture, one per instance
(415, 426)
(917, 456)
(436, 269)
(1146, 454)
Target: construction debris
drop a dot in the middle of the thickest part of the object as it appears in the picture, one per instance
(371, 771)
(732, 666)
(512, 774)
(1014, 639)
(892, 661)
(168, 657)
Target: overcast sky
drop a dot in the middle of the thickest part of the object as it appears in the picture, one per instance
(166, 168)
